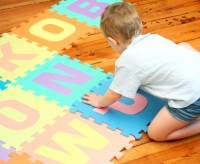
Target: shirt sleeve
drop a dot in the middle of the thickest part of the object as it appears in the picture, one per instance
(125, 82)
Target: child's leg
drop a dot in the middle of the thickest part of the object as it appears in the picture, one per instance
(166, 127)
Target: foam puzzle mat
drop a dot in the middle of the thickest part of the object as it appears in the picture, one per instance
(42, 118)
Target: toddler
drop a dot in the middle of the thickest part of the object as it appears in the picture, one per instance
(158, 66)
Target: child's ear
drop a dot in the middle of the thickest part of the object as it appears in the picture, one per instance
(114, 41)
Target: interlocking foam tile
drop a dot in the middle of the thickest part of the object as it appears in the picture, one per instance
(18, 55)
(5, 152)
(62, 79)
(130, 116)
(19, 159)
(84, 10)
(52, 30)
(75, 140)
(23, 115)
(3, 84)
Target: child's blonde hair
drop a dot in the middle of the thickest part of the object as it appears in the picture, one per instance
(120, 21)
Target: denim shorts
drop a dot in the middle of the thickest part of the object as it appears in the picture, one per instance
(187, 114)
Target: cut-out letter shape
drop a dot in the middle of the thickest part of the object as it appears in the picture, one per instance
(137, 105)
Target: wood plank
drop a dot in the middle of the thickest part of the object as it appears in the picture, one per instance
(166, 8)
(195, 43)
(164, 152)
(84, 45)
(12, 17)
(4, 5)
(176, 20)
(100, 51)
(106, 65)
(181, 33)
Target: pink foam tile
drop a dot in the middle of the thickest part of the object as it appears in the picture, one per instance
(73, 139)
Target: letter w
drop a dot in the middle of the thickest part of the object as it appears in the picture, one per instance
(92, 139)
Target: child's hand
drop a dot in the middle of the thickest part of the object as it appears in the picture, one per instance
(92, 99)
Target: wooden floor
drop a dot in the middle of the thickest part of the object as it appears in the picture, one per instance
(177, 20)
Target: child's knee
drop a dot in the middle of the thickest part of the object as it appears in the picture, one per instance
(152, 135)
(155, 134)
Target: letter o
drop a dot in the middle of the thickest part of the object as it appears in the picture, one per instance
(37, 29)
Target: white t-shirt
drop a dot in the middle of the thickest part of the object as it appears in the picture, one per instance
(160, 67)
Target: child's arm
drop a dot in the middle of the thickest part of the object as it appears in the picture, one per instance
(99, 101)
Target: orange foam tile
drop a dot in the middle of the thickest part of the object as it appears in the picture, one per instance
(19, 159)
(49, 29)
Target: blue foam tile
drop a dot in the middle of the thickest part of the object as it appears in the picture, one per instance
(129, 124)
(3, 84)
(61, 79)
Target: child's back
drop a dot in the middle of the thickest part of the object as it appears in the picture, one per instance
(162, 68)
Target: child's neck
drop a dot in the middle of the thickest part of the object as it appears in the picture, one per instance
(124, 46)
